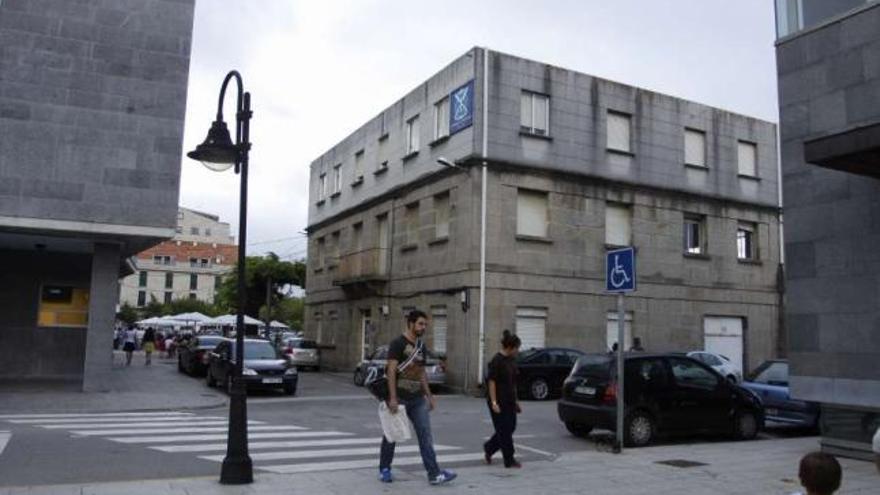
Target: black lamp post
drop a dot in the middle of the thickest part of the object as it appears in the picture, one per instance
(218, 153)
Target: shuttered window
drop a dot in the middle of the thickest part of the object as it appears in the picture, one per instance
(695, 147)
(531, 213)
(531, 327)
(618, 221)
(439, 325)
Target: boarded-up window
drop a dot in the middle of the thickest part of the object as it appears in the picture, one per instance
(619, 132)
(747, 156)
(695, 147)
(441, 215)
(531, 327)
(618, 225)
(531, 213)
(612, 330)
(439, 326)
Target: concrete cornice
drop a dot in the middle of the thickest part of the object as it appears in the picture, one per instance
(43, 225)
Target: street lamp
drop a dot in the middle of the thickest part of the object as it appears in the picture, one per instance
(219, 153)
(448, 164)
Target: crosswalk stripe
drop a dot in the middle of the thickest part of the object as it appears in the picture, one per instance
(205, 438)
(94, 415)
(310, 454)
(97, 426)
(164, 431)
(76, 421)
(209, 447)
(309, 467)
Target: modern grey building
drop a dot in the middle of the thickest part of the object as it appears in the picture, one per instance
(566, 165)
(828, 57)
(92, 101)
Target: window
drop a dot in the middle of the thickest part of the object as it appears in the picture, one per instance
(411, 220)
(441, 118)
(745, 241)
(618, 136)
(63, 306)
(207, 232)
(534, 113)
(694, 234)
(747, 157)
(382, 167)
(531, 327)
(169, 280)
(217, 281)
(192, 296)
(689, 373)
(193, 262)
(412, 135)
(695, 148)
(337, 179)
(334, 248)
(194, 230)
(193, 281)
(357, 237)
(204, 262)
(180, 214)
(322, 187)
(359, 166)
(441, 216)
(162, 259)
(178, 229)
(167, 298)
(320, 249)
(611, 330)
(142, 279)
(142, 298)
(438, 325)
(618, 225)
(531, 213)
(772, 373)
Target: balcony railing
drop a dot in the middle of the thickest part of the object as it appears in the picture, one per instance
(369, 264)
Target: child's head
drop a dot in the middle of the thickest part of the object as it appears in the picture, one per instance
(820, 473)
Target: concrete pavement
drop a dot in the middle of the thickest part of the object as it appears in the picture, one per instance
(134, 388)
(756, 467)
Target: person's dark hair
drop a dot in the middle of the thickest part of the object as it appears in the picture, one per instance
(510, 340)
(820, 473)
(414, 316)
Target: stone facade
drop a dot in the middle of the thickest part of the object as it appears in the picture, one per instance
(92, 102)
(829, 83)
(430, 263)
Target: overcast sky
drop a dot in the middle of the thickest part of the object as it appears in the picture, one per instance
(317, 70)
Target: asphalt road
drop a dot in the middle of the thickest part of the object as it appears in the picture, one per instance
(329, 425)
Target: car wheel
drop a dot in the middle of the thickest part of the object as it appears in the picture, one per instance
(539, 389)
(745, 425)
(317, 368)
(358, 377)
(209, 378)
(639, 429)
(732, 378)
(289, 389)
(578, 429)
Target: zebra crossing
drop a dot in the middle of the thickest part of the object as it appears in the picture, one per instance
(284, 449)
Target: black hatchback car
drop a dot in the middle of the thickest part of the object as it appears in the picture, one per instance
(663, 394)
(192, 355)
(263, 367)
(542, 371)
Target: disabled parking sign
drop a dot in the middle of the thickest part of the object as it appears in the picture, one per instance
(620, 270)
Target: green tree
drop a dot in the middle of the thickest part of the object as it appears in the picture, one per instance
(127, 314)
(290, 310)
(263, 275)
(177, 306)
(153, 308)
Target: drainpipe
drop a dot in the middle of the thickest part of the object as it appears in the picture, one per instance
(483, 198)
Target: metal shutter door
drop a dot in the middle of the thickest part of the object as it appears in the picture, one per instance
(531, 327)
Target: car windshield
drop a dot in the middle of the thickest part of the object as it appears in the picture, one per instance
(305, 344)
(772, 373)
(592, 365)
(256, 350)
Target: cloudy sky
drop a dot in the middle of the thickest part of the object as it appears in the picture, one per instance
(317, 70)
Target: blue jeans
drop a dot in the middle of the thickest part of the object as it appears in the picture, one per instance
(417, 412)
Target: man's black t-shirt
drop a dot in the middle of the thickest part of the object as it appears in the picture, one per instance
(409, 381)
(503, 371)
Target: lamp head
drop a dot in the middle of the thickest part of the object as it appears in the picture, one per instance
(217, 152)
(446, 163)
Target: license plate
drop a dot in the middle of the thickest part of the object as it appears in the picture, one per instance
(771, 411)
(585, 390)
(271, 380)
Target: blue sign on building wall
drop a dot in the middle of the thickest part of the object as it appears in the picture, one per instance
(461, 108)
(620, 270)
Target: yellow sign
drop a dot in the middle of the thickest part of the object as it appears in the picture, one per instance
(62, 306)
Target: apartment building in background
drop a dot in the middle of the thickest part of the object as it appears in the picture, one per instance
(568, 165)
(828, 63)
(92, 102)
(190, 265)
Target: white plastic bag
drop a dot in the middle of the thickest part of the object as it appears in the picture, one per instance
(395, 427)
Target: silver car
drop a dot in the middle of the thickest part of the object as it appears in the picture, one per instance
(302, 353)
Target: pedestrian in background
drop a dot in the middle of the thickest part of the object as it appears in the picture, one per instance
(820, 473)
(503, 404)
(148, 342)
(637, 345)
(129, 343)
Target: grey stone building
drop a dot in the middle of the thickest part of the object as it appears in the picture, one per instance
(92, 101)
(569, 164)
(828, 58)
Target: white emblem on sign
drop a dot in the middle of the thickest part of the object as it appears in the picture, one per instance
(461, 106)
(618, 273)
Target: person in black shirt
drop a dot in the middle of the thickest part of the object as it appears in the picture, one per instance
(503, 405)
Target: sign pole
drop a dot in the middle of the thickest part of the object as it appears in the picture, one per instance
(621, 322)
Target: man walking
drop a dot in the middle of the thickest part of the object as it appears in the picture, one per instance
(408, 386)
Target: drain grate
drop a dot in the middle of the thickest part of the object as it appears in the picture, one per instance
(681, 463)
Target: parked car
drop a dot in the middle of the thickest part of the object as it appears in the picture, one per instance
(263, 367)
(435, 366)
(192, 353)
(663, 394)
(770, 382)
(542, 371)
(301, 352)
(719, 363)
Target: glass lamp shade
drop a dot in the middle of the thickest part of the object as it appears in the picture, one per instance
(217, 153)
